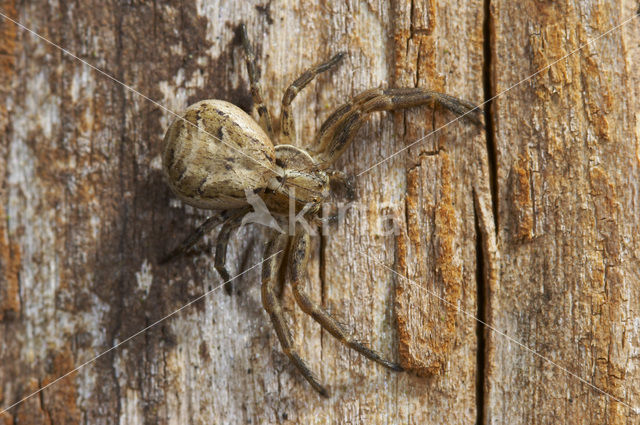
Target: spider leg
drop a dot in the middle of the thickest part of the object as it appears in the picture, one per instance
(297, 265)
(271, 303)
(254, 79)
(340, 128)
(287, 126)
(192, 239)
(222, 243)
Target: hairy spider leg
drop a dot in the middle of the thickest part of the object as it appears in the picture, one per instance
(339, 129)
(192, 239)
(222, 242)
(298, 256)
(287, 125)
(254, 79)
(272, 305)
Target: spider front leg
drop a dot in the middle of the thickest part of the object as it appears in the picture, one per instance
(221, 248)
(287, 126)
(254, 79)
(221, 243)
(270, 271)
(191, 240)
(339, 129)
(297, 265)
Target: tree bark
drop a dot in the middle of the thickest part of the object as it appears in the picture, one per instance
(530, 227)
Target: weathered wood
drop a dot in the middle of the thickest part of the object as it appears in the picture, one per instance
(568, 168)
(85, 215)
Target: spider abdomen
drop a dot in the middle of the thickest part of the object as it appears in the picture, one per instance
(214, 154)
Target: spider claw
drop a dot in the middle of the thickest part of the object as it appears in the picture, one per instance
(372, 355)
(338, 57)
(323, 392)
(331, 62)
(228, 288)
(168, 257)
(307, 373)
(476, 117)
(393, 366)
(242, 28)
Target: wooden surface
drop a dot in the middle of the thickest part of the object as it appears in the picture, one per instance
(85, 215)
(568, 173)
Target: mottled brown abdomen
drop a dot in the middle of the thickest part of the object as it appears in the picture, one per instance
(210, 160)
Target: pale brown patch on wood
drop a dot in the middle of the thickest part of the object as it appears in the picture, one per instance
(9, 267)
(606, 212)
(61, 404)
(8, 34)
(565, 292)
(426, 323)
(31, 410)
(447, 264)
(523, 226)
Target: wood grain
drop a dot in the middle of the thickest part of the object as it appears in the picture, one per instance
(85, 215)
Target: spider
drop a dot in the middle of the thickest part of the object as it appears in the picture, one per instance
(216, 154)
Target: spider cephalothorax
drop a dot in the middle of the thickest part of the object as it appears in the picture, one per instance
(216, 154)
